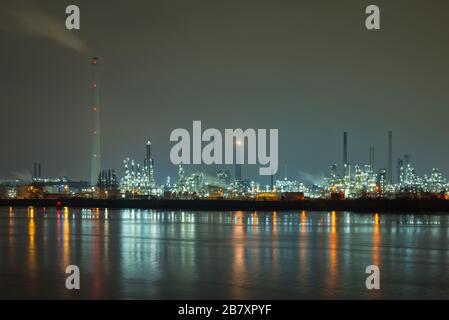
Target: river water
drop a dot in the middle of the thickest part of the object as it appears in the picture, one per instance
(153, 254)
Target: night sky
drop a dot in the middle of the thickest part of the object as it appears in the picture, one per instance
(308, 68)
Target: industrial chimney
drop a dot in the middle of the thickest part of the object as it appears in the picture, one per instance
(95, 165)
(390, 157)
(149, 161)
(345, 154)
(371, 157)
(345, 148)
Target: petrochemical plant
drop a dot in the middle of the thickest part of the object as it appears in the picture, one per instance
(138, 179)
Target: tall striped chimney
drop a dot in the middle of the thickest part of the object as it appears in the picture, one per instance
(95, 164)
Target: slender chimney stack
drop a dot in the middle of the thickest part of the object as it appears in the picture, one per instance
(399, 169)
(345, 148)
(345, 154)
(148, 150)
(390, 157)
(149, 160)
(371, 157)
(95, 165)
(238, 172)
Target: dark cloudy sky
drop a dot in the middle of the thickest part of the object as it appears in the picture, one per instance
(308, 68)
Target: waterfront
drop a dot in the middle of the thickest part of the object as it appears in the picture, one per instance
(154, 254)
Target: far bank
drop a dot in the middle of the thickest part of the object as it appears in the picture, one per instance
(356, 205)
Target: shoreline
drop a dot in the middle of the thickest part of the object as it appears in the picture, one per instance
(355, 205)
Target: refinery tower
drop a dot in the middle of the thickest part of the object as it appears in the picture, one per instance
(95, 164)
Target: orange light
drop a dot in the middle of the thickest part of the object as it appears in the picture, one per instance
(376, 218)
(333, 222)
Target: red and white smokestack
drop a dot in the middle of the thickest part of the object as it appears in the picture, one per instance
(96, 150)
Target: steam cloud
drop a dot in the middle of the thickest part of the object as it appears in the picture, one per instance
(24, 175)
(33, 21)
(309, 178)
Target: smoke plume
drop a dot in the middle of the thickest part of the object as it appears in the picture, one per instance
(27, 19)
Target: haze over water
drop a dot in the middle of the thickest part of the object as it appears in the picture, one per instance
(149, 254)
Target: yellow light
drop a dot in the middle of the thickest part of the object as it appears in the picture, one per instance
(376, 218)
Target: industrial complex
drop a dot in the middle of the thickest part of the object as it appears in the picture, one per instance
(136, 180)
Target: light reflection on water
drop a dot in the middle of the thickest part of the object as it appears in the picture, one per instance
(231, 255)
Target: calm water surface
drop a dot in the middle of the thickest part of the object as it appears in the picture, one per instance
(149, 254)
